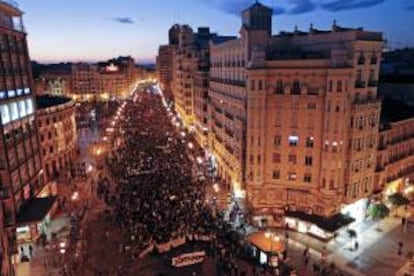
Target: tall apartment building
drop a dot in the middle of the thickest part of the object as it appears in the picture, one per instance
(85, 82)
(165, 61)
(57, 133)
(165, 64)
(395, 156)
(20, 165)
(190, 75)
(294, 120)
(105, 80)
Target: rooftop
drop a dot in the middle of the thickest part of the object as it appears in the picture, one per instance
(36, 210)
(45, 101)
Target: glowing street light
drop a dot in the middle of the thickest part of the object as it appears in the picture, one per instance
(216, 187)
(75, 196)
(190, 145)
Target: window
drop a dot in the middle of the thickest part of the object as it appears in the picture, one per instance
(276, 174)
(359, 76)
(339, 86)
(293, 140)
(279, 87)
(308, 160)
(307, 178)
(361, 59)
(251, 158)
(337, 109)
(260, 85)
(292, 158)
(252, 84)
(334, 147)
(259, 159)
(277, 140)
(276, 157)
(49, 135)
(311, 105)
(292, 176)
(51, 149)
(296, 88)
(330, 86)
(309, 142)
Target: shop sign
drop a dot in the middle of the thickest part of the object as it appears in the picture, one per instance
(188, 259)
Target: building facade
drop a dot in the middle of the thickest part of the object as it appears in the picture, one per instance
(190, 77)
(58, 136)
(85, 82)
(20, 163)
(295, 117)
(106, 80)
(165, 64)
(395, 155)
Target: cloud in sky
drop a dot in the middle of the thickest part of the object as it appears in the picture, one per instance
(302, 6)
(298, 6)
(339, 5)
(123, 20)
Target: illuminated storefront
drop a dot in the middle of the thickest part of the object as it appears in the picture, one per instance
(356, 210)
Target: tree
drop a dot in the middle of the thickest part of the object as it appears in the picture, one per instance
(377, 212)
(397, 200)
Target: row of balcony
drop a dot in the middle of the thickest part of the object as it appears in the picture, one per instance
(363, 84)
(230, 82)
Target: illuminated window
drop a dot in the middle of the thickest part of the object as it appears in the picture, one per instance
(11, 93)
(309, 142)
(292, 176)
(5, 114)
(22, 108)
(14, 111)
(293, 140)
(29, 106)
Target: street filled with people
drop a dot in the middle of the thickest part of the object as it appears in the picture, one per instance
(157, 199)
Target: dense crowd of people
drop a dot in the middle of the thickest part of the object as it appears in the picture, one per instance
(157, 198)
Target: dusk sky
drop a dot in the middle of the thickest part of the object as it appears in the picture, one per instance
(90, 30)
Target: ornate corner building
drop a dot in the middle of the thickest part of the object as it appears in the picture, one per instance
(292, 119)
(57, 132)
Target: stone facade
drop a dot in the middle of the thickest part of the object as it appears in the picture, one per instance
(58, 136)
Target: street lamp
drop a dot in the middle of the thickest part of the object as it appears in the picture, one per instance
(272, 237)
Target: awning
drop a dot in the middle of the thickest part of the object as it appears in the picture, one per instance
(266, 244)
(35, 210)
(330, 224)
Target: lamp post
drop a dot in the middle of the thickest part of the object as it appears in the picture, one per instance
(273, 237)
